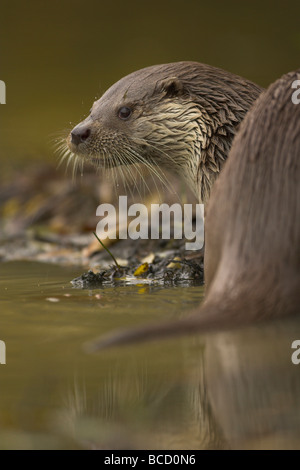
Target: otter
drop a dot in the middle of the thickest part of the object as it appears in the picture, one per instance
(180, 116)
(252, 251)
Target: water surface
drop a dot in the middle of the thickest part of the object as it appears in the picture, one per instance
(233, 389)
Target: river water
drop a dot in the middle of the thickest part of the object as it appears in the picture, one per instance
(223, 390)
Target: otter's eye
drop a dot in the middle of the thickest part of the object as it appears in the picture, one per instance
(124, 112)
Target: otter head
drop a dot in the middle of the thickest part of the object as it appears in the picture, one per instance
(159, 116)
(137, 120)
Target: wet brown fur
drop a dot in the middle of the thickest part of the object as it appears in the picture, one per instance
(252, 252)
(184, 117)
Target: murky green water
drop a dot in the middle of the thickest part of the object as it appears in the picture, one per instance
(234, 389)
(52, 392)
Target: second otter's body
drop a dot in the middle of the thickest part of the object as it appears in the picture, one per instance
(180, 116)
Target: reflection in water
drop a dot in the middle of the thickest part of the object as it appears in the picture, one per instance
(134, 409)
(253, 386)
(236, 389)
(243, 392)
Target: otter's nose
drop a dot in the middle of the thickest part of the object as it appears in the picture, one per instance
(80, 134)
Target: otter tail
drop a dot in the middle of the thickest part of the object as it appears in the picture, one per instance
(208, 318)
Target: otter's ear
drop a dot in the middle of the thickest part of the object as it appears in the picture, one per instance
(171, 86)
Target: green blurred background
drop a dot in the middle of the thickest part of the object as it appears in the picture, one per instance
(57, 56)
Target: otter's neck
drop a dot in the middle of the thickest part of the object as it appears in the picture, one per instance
(207, 141)
(215, 135)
